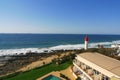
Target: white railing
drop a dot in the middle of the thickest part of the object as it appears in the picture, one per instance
(82, 71)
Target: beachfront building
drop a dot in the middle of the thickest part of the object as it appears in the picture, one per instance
(95, 66)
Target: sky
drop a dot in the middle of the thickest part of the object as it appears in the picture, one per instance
(60, 16)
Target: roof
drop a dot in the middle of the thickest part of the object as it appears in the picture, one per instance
(86, 38)
(103, 61)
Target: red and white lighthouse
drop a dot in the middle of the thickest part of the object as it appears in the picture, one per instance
(86, 42)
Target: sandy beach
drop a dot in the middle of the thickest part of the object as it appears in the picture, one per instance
(40, 61)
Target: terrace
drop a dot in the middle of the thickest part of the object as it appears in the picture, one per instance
(86, 72)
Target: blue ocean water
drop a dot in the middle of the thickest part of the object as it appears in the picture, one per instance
(16, 41)
(15, 44)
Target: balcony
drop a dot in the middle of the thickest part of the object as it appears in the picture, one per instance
(86, 76)
(87, 71)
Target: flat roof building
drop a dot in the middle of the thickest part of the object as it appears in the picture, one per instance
(95, 66)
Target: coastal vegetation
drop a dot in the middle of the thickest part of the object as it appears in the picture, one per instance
(16, 62)
(63, 59)
(57, 64)
(64, 62)
(78, 78)
(37, 72)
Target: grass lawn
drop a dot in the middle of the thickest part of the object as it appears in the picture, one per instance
(38, 72)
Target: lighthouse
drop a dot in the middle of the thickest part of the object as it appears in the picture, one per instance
(86, 42)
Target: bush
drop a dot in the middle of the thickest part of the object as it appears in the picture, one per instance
(63, 76)
(78, 78)
(10, 75)
(64, 59)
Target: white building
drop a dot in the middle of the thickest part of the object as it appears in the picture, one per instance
(95, 66)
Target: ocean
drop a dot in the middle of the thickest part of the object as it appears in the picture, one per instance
(11, 44)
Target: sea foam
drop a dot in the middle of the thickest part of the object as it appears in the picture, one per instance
(59, 47)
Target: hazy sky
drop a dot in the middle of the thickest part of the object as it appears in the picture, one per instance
(60, 16)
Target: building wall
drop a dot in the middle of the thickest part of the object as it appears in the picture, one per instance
(114, 78)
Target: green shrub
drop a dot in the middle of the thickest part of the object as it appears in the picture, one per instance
(10, 75)
(63, 76)
(78, 78)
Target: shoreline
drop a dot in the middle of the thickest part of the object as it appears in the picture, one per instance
(30, 61)
(23, 51)
(34, 60)
(45, 60)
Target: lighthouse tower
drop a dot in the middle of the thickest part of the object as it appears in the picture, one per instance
(86, 42)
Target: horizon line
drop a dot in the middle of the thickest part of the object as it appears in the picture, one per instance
(67, 33)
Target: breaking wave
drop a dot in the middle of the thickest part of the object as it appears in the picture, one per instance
(59, 47)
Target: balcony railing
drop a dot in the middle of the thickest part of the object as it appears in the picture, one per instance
(89, 72)
(84, 72)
